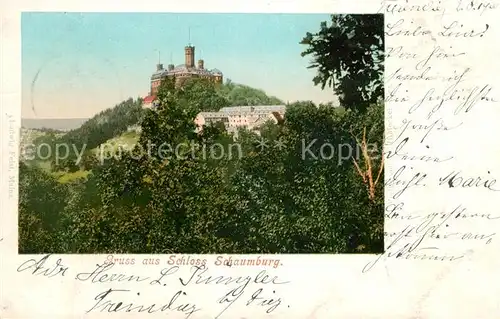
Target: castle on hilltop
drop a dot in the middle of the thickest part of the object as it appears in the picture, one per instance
(233, 118)
(181, 73)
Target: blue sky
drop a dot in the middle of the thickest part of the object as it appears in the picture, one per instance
(87, 62)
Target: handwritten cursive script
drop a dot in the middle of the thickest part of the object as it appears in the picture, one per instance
(436, 94)
(41, 267)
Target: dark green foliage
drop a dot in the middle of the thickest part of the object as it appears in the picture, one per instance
(41, 204)
(276, 199)
(268, 201)
(291, 205)
(348, 54)
(242, 95)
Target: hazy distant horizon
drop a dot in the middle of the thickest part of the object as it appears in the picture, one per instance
(89, 62)
(65, 124)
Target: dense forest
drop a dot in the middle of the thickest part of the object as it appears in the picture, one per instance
(270, 199)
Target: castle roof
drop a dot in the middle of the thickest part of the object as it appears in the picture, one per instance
(149, 99)
(182, 68)
(257, 110)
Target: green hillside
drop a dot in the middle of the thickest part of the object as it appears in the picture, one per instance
(242, 95)
(106, 125)
(125, 141)
(110, 128)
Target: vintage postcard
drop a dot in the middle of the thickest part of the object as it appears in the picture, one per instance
(279, 160)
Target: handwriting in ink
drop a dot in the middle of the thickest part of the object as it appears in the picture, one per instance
(396, 96)
(38, 267)
(231, 297)
(106, 303)
(455, 29)
(427, 74)
(438, 125)
(398, 152)
(475, 6)
(399, 52)
(412, 250)
(395, 7)
(397, 180)
(448, 94)
(437, 53)
(461, 212)
(468, 98)
(414, 30)
(454, 180)
(258, 299)
(199, 271)
(100, 275)
(164, 273)
(199, 276)
(395, 211)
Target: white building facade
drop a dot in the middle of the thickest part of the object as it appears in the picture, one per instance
(236, 117)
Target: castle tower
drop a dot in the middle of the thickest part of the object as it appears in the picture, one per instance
(159, 66)
(189, 56)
